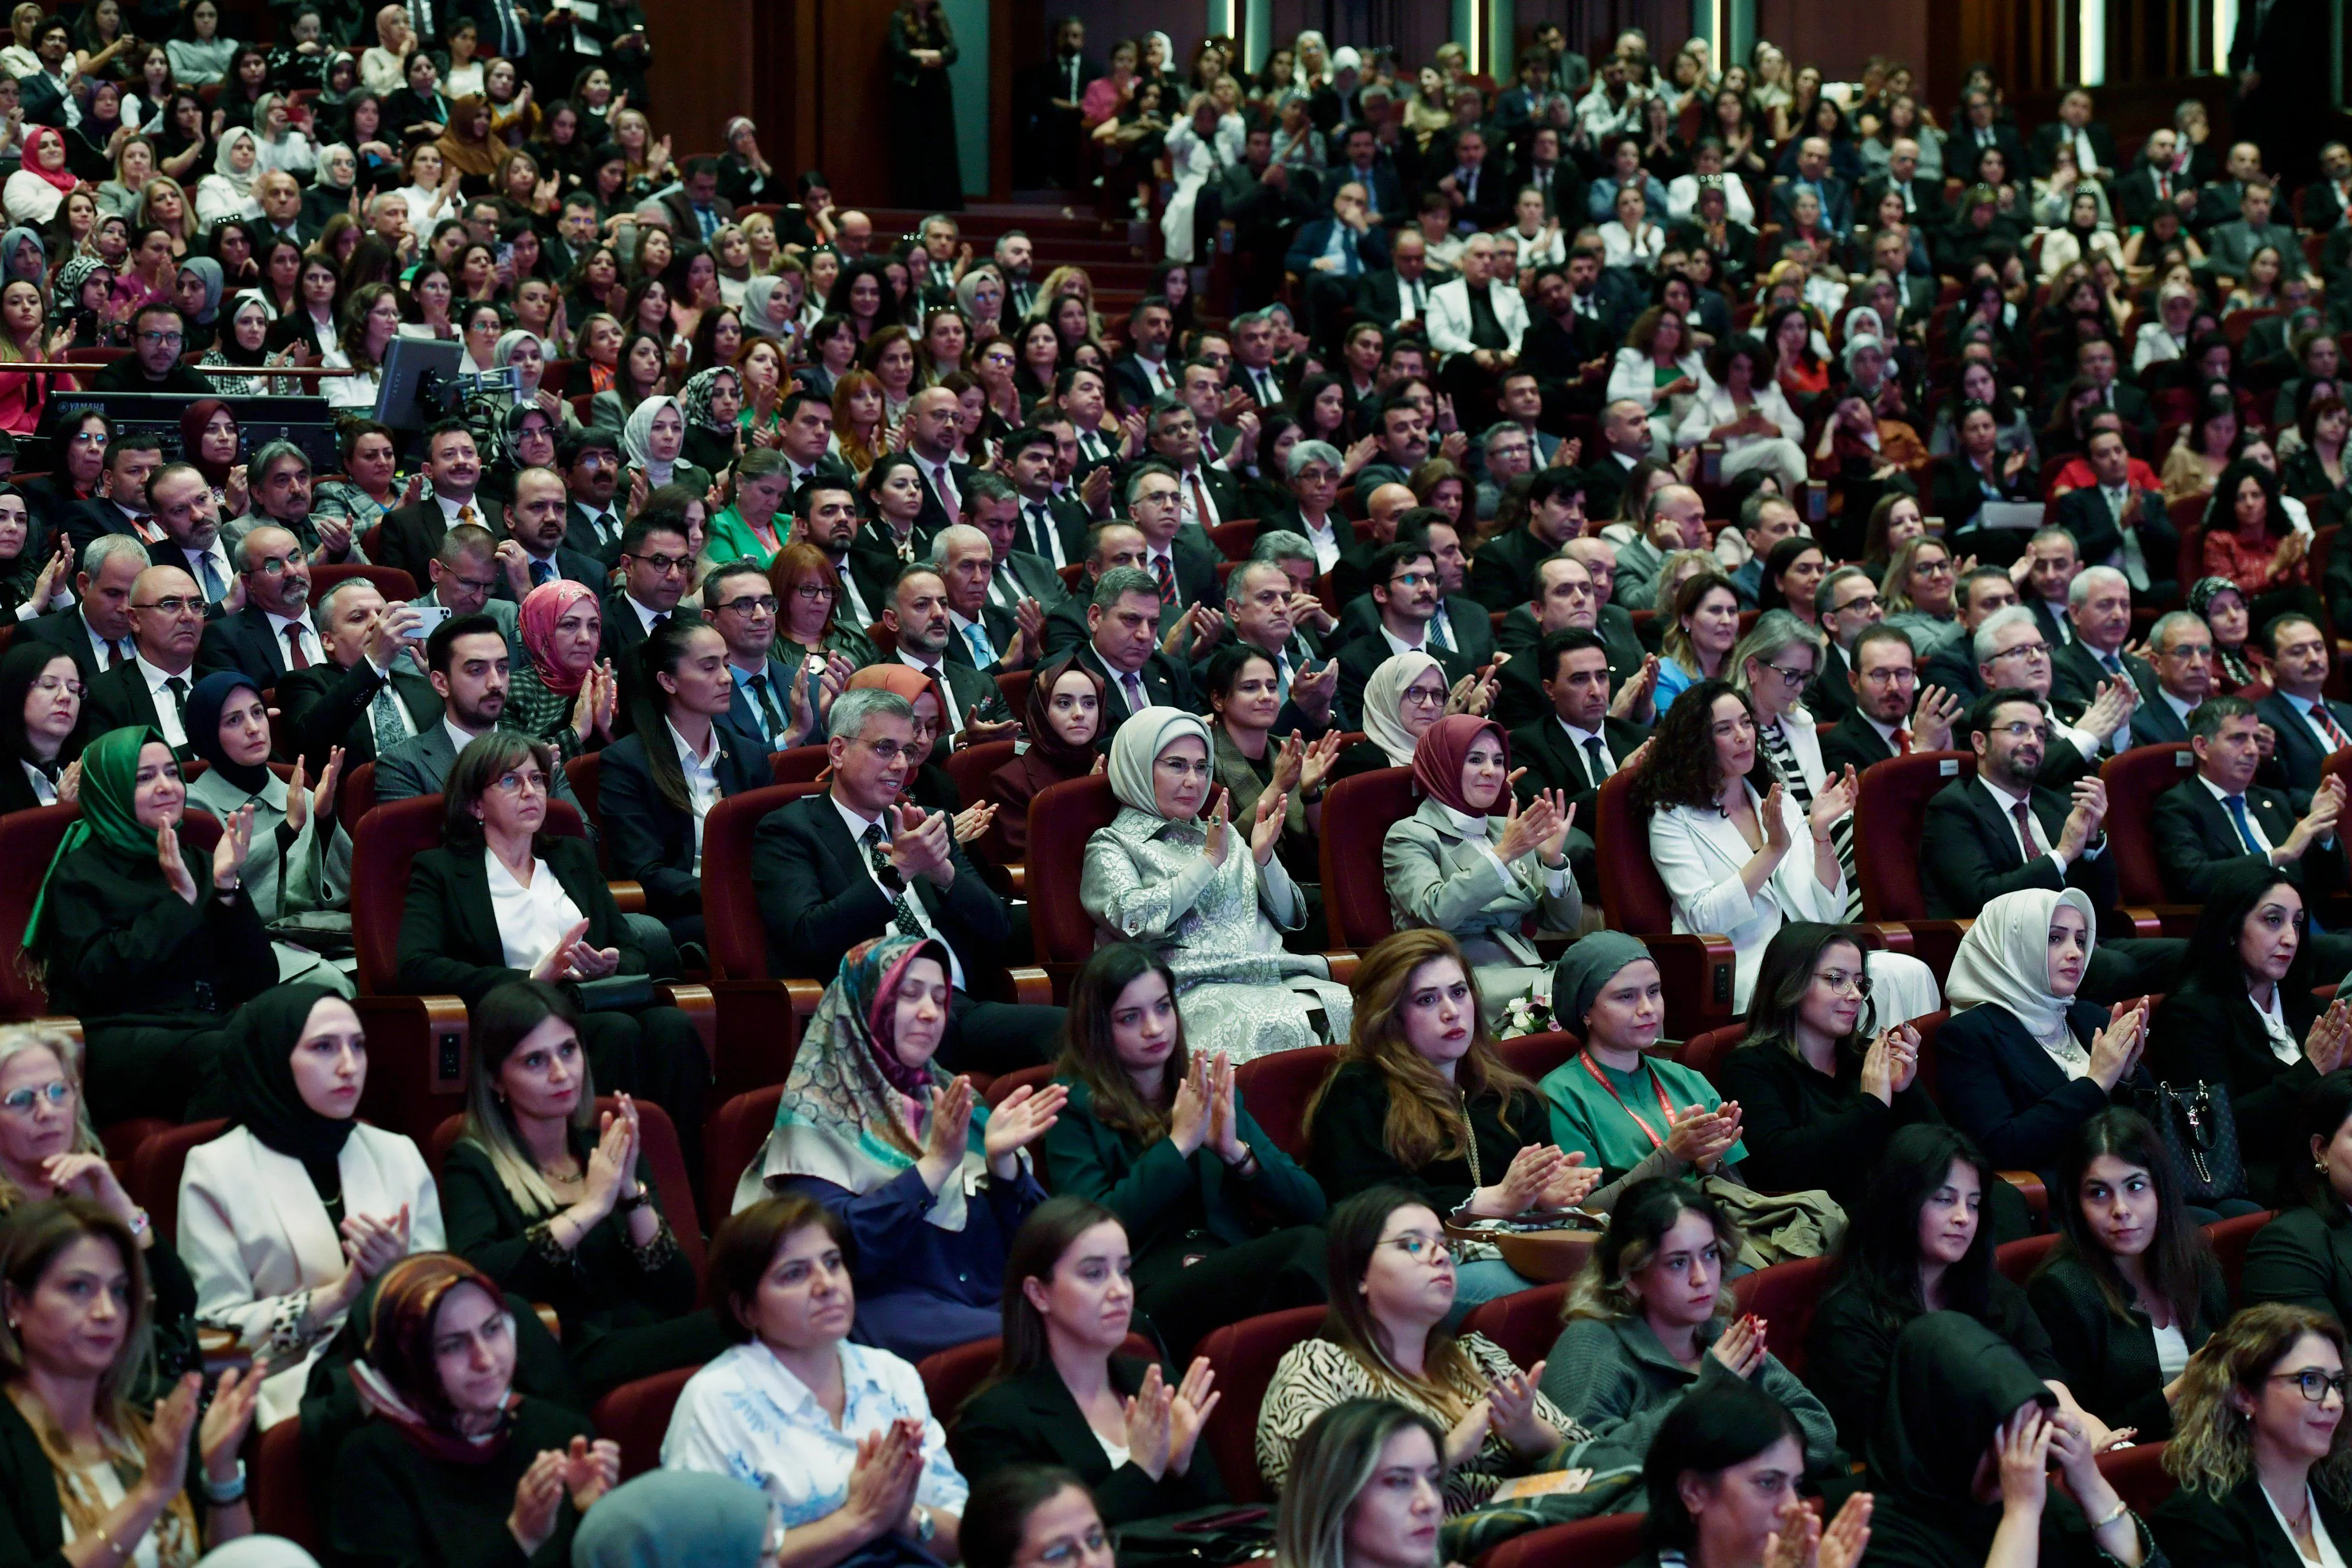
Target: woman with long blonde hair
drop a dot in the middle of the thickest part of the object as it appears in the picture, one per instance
(1072, 281)
(2258, 1445)
(1366, 1490)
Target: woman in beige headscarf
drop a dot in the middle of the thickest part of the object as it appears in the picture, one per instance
(1208, 894)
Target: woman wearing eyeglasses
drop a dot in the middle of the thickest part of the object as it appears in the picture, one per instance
(1776, 663)
(42, 725)
(505, 900)
(1391, 1271)
(1033, 1516)
(1821, 1089)
(2259, 1448)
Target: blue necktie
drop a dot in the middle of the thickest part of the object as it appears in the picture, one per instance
(2237, 804)
(982, 654)
(542, 572)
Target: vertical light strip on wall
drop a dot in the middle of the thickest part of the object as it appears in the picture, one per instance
(2091, 46)
(2225, 25)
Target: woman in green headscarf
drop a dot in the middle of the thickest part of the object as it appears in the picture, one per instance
(149, 943)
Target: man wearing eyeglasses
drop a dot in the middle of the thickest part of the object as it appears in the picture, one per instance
(150, 692)
(272, 633)
(181, 500)
(2011, 652)
(656, 568)
(1885, 680)
(1847, 605)
(741, 607)
(154, 364)
(1405, 595)
(365, 698)
(2030, 816)
(470, 568)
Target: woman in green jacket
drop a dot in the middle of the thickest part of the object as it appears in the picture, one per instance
(1224, 1225)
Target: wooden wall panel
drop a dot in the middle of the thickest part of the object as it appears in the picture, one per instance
(1824, 33)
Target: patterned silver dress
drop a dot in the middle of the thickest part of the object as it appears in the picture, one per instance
(1148, 880)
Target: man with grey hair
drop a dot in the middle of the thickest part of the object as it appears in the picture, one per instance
(1478, 317)
(2012, 652)
(917, 618)
(2182, 651)
(1673, 519)
(981, 633)
(151, 692)
(272, 633)
(2099, 613)
(95, 632)
(1122, 646)
(1259, 599)
(365, 697)
(181, 500)
(1506, 451)
(281, 494)
(1254, 370)
(1291, 552)
(859, 860)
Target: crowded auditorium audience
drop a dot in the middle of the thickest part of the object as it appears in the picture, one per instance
(1595, 803)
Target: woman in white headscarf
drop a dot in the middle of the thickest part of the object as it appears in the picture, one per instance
(1402, 697)
(652, 442)
(2023, 1060)
(1209, 895)
(228, 190)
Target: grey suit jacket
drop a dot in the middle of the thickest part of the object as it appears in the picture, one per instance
(420, 766)
(1638, 564)
(505, 612)
(1438, 875)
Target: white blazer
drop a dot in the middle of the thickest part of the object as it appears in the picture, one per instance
(1699, 853)
(1449, 315)
(1713, 406)
(257, 1240)
(1631, 377)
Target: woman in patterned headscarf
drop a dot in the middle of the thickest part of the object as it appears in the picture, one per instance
(564, 696)
(930, 1183)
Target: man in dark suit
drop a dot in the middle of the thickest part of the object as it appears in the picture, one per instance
(1977, 129)
(1143, 371)
(1261, 610)
(931, 439)
(42, 95)
(2327, 199)
(121, 505)
(1460, 623)
(2098, 611)
(2308, 725)
(150, 690)
(1479, 191)
(95, 633)
(1052, 525)
(536, 522)
(591, 462)
(1333, 255)
(281, 211)
(2222, 817)
(453, 469)
(918, 620)
(657, 567)
(1363, 161)
(739, 604)
(1206, 496)
(273, 633)
(2181, 650)
(1404, 595)
(2099, 516)
(2154, 180)
(1577, 743)
(2005, 828)
(349, 701)
(1183, 566)
(1122, 646)
(154, 363)
(855, 861)
(1923, 200)
(1813, 174)
(2093, 146)
(2229, 247)
(1397, 296)
(1503, 572)
(2097, 362)
(997, 596)
(695, 208)
(1893, 716)
(1953, 666)
(1048, 136)
(1847, 604)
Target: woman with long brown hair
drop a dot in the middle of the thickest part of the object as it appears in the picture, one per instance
(1061, 1390)
(1233, 1232)
(1393, 1269)
(860, 432)
(1420, 1100)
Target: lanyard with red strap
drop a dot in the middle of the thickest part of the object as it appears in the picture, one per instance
(1663, 1104)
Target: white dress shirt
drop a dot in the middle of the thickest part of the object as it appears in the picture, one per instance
(167, 712)
(973, 635)
(858, 825)
(1325, 540)
(1193, 502)
(451, 508)
(312, 649)
(2038, 843)
(1585, 740)
(951, 722)
(532, 920)
(701, 771)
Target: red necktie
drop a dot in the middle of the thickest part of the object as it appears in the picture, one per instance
(2024, 829)
(1166, 576)
(1200, 501)
(1902, 741)
(296, 659)
(2327, 722)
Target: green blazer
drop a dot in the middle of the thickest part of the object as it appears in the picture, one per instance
(1146, 1188)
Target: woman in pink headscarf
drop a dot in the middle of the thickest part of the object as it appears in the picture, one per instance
(563, 695)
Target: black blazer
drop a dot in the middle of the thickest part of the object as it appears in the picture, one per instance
(245, 641)
(580, 534)
(2304, 1258)
(67, 632)
(1032, 1419)
(2046, 139)
(2156, 723)
(412, 535)
(449, 938)
(570, 566)
(2083, 513)
(650, 840)
(1830, 699)
(119, 699)
(1957, 489)
(1165, 681)
(2300, 757)
(1503, 572)
(1553, 762)
(328, 707)
(1519, 696)
(2076, 675)
(1998, 1086)
(623, 629)
(2194, 1531)
(818, 900)
(1852, 740)
(2197, 1036)
(2195, 838)
(2110, 1362)
(1968, 852)
(1952, 666)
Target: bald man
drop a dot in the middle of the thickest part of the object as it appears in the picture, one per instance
(149, 690)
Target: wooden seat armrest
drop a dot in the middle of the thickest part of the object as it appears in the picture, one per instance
(1343, 966)
(1699, 971)
(701, 1006)
(2029, 1186)
(629, 896)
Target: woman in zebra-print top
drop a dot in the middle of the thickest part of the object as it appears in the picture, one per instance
(1392, 1269)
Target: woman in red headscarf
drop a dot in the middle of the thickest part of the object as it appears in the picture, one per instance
(35, 191)
(1474, 863)
(563, 696)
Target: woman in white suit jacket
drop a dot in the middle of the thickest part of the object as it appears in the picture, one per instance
(1658, 369)
(272, 1261)
(1735, 405)
(1740, 862)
